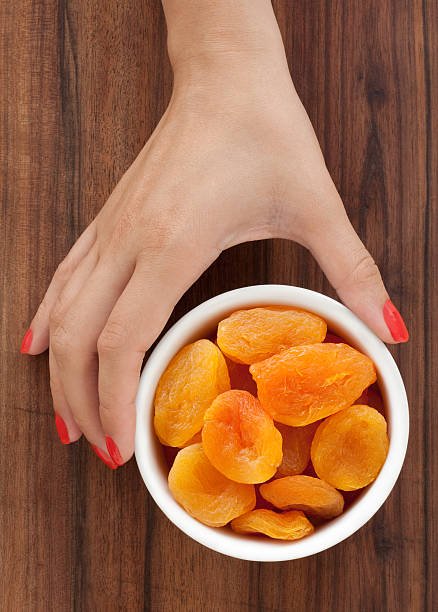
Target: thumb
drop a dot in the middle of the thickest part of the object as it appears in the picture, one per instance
(353, 273)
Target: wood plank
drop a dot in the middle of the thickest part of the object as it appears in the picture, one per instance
(84, 85)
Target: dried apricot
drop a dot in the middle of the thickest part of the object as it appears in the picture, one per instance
(306, 383)
(305, 493)
(205, 493)
(191, 381)
(349, 448)
(248, 336)
(286, 526)
(296, 448)
(240, 438)
(240, 377)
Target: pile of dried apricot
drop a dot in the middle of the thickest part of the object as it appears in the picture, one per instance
(270, 424)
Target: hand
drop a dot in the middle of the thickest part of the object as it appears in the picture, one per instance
(233, 159)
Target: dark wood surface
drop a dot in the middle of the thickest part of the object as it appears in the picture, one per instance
(82, 86)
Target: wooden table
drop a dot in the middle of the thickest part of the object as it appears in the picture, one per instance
(82, 86)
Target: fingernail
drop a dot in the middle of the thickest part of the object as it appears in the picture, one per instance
(62, 429)
(395, 323)
(104, 457)
(113, 450)
(26, 342)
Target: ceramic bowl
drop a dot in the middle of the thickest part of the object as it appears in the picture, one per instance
(200, 323)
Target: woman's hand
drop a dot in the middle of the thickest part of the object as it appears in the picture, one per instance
(233, 159)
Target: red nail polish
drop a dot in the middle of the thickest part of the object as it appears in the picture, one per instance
(26, 342)
(395, 323)
(114, 451)
(104, 457)
(62, 429)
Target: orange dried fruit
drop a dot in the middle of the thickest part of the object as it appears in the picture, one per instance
(304, 384)
(248, 336)
(205, 493)
(191, 381)
(240, 438)
(296, 448)
(286, 526)
(240, 377)
(350, 448)
(311, 495)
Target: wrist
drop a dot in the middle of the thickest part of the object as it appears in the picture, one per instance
(206, 37)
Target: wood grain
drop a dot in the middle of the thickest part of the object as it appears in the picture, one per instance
(83, 85)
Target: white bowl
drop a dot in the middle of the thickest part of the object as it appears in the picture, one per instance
(199, 323)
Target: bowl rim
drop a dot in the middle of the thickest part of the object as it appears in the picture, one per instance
(149, 455)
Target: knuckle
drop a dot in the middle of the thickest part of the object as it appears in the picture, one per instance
(109, 398)
(365, 270)
(167, 230)
(113, 408)
(107, 405)
(58, 312)
(112, 338)
(145, 216)
(61, 339)
(63, 271)
(125, 225)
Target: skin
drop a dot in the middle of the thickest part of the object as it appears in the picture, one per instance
(233, 159)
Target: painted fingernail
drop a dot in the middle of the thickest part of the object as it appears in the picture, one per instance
(395, 323)
(26, 342)
(62, 429)
(104, 457)
(113, 450)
